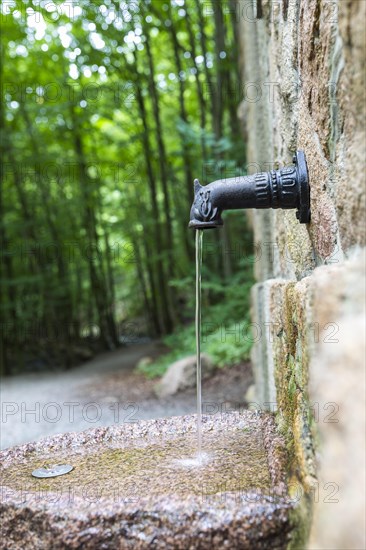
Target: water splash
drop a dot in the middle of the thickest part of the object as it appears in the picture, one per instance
(198, 461)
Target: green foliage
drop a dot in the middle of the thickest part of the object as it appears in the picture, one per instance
(108, 114)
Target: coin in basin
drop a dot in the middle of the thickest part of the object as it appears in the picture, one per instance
(53, 471)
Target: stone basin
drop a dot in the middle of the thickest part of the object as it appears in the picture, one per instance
(135, 486)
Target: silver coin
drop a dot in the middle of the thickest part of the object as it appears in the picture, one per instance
(53, 471)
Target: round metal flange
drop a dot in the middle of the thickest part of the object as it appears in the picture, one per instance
(303, 213)
(53, 471)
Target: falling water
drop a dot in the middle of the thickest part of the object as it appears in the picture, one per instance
(201, 459)
(199, 237)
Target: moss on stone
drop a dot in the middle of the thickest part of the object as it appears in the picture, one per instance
(236, 462)
(291, 363)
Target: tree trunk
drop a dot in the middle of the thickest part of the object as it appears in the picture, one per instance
(166, 320)
(98, 285)
(163, 163)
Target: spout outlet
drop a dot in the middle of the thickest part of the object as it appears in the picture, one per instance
(287, 188)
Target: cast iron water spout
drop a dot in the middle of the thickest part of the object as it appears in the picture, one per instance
(287, 188)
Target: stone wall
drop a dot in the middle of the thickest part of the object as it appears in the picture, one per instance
(303, 84)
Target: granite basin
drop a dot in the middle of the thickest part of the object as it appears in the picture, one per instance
(139, 486)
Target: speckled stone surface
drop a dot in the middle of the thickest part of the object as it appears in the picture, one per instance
(134, 487)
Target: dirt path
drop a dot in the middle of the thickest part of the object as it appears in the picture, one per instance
(103, 392)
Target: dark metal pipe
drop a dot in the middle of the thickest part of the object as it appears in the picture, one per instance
(287, 188)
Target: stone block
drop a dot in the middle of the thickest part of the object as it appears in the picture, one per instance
(140, 486)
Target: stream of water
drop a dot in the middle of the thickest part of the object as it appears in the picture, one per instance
(199, 238)
(200, 459)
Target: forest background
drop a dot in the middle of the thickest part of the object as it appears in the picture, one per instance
(109, 110)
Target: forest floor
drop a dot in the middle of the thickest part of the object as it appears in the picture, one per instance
(104, 391)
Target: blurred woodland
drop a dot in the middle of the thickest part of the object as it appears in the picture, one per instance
(108, 113)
